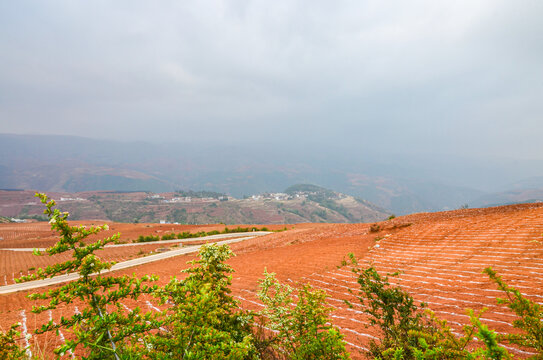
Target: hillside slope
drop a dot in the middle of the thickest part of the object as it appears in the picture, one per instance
(441, 256)
(177, 207)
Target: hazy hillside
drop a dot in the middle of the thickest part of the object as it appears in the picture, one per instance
(400, 184)
(317, 205)
(509, 197)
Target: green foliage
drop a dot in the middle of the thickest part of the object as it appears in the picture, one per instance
(491, 350)
(530, 315)
(320, 213)
(148, 238)
(439, 342)
(392, 216)
(375, 228)
(391, 309)
(205, 321)
(189, 235)
(302, 328)
(169, 236)
(178, 215)
(9, 350)
(436, 341)
(242, 230)
(407, 332)
(103, 327)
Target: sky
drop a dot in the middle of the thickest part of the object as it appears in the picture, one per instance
(443, 77)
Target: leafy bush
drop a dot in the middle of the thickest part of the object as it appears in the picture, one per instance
(408, 332)
(9, 350)
(103, 327)
(143, 239)
(375, 228)
(391, 309)
(189, 235)
(302, 328)
(170, 236)
(530, 315)
(204, 321)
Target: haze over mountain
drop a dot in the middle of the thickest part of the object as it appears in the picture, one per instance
(397, 183)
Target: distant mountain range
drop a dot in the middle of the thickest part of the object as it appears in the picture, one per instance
(398, 184)
(298, 204)
(525, 191)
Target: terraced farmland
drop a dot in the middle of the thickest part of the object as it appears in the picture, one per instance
(441, 256)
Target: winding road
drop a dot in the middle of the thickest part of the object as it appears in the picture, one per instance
(130, 263)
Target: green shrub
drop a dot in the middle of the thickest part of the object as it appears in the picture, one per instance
(530, 314)
(170, 236)
(144, 239)
(106, 332)
(302, 327)
(204, 321)
(407, 332)
(9, 350)
(391, 309)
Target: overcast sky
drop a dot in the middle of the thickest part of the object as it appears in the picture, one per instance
(454, 77)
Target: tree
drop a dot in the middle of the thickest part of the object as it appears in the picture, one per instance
(302, 328)
(103, 327)
(204, 321)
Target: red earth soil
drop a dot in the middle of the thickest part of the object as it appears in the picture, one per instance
(441, 255)
(16, 263)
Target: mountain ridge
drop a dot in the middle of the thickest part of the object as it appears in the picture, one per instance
(399, 184)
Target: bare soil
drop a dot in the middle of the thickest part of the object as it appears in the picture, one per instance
(441, 256)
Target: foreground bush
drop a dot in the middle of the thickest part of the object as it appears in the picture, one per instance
(102, 327)
(9, 349)
(530, 316)
(409, 332)
(301, 328)
(204, 321)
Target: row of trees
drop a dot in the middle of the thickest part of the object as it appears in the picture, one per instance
(200, 319)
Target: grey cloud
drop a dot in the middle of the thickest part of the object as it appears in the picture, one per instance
(453, 77)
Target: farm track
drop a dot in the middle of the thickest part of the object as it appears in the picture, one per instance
(441, 256)
(16, 262)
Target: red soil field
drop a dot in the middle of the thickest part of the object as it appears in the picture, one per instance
(441, 255)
